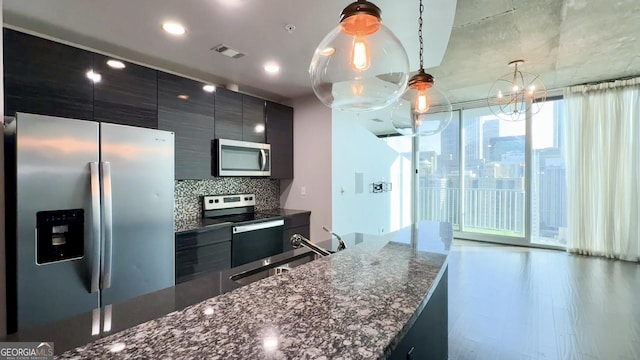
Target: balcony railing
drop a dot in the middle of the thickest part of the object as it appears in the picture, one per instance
(485, 210)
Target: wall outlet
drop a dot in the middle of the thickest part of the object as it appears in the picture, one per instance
(303, 190)
(380, 231)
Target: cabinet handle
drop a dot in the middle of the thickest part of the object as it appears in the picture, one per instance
(410, 354)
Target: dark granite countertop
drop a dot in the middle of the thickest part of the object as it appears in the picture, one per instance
(353, 304)
(79, 330)
(284, 212)
(200, 224)
(203, 224)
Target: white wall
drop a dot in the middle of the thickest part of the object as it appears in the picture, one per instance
(3, 288)
(357, 150)
(311, 164)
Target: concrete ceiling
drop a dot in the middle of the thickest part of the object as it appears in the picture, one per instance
(567, 42)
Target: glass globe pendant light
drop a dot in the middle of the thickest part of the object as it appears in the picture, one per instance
(360, 65)
(422, 109)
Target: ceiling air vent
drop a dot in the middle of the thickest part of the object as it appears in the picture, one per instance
(226, 50)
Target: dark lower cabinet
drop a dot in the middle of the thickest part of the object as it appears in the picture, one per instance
(201, 252)
(279, 128)
(428, 337)
(45, 77)
(295, 224)
(127, 96)
(185, 108)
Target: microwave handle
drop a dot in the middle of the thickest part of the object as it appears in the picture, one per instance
(263, 160)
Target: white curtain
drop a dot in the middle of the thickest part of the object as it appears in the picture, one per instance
(603, 169)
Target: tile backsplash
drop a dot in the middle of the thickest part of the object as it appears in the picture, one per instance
(188, 192)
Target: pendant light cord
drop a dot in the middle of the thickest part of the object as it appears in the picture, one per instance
(420, 32)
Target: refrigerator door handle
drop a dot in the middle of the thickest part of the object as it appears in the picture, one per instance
(108, 225)
(95, 226)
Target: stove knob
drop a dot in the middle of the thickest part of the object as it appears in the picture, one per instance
(217, 201)
(211, 201)
(246, 198)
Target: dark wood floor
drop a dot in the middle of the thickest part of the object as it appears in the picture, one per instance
(520, 303)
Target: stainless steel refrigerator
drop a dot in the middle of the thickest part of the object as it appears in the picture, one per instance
(89, 216)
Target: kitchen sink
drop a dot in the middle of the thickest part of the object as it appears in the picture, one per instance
(274, 268)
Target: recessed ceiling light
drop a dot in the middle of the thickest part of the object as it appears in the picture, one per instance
(209, 88)
(173, 28)
(183, 96)
(272, 68)
(116, 64)
(94, 76)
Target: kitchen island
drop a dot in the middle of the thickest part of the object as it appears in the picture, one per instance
(361, 303)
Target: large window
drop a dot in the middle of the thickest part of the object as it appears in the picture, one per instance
(439, 169)
(512, 187)
(548, 180)
(494, 163)
(439, 193)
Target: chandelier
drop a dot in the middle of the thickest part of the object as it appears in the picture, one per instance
(516, 93)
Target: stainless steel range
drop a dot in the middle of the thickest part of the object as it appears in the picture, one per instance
(256, 235)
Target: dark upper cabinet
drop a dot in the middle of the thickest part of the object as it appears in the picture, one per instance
(253, 127)
(46, 77)
(127, 96)
(279, 128)
(185, 108)
(228, 114)
(50, 78)
(239, 116)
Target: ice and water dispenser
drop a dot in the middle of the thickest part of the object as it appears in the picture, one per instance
(60, 235)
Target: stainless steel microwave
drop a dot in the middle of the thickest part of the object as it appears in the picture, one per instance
(241, 158)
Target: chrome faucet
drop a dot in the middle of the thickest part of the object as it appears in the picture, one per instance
(298, 240)
(341, 245)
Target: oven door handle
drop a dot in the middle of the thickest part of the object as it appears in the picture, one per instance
(258, 226)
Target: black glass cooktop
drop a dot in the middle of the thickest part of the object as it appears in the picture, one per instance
(238, 218)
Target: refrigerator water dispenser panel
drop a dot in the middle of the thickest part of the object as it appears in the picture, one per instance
(59, 235)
